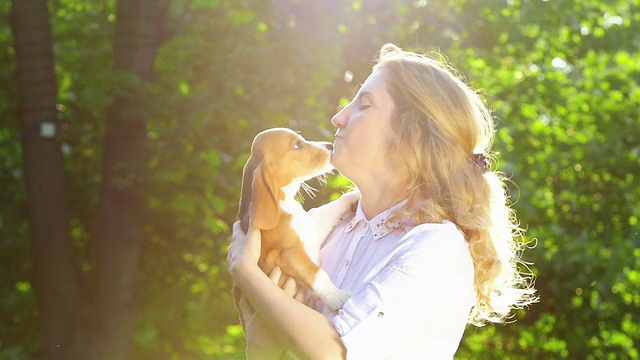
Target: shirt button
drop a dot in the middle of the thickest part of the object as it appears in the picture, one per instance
(347, 262)
(381, 314)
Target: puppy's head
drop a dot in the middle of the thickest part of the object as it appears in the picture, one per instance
(279, 157)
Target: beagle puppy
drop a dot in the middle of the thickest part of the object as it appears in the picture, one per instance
(281, 160)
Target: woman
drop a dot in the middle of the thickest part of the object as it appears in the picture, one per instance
(432, 244)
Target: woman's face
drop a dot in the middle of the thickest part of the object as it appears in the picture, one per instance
(364, 144)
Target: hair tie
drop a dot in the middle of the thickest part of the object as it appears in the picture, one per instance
(482, 163)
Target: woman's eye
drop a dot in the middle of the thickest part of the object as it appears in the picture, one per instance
(298, 145)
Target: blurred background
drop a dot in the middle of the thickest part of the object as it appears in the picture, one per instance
(162, 99)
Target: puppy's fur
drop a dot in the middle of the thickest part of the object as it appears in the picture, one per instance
(280, 161)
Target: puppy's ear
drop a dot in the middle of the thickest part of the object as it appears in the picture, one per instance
(265, 210)
(245, 194)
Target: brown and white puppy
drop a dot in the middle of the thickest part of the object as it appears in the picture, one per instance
(281, 160)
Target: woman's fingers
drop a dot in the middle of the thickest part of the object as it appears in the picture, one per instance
(236, 238)
(275, 275)
(301, 295)
(237, 229)
(244, 248)
(290, 287)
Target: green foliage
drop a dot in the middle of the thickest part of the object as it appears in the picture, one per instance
(567, 108)
(562, 78)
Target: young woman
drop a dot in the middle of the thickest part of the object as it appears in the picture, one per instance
(432, 246)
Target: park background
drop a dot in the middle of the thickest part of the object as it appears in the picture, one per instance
(161, 99)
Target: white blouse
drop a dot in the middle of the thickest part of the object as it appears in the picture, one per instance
(411, 286)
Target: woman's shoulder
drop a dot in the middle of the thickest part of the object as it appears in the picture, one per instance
(435, 238)
(443, 230)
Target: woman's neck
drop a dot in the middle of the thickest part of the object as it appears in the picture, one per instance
(379, 197)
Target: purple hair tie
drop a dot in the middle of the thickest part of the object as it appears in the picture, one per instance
(481, 162)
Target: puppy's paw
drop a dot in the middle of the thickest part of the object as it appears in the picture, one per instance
(336, 299)
(326, 291)
(350, 197)
(346, 202)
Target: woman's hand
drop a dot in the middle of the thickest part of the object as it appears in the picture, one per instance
(290, 286)
(242, 259)
(262, 343)
(244, 249)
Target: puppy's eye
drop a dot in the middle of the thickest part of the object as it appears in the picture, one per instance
(298, 145)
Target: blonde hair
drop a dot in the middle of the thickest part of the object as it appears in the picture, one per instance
(441, 124)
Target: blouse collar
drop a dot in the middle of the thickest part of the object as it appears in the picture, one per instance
(382, 224)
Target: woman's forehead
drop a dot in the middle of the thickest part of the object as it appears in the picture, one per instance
(375, 85)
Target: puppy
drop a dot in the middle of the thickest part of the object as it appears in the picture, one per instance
(281, 160)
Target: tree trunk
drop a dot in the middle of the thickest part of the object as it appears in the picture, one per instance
(121, 228)
(54, 277)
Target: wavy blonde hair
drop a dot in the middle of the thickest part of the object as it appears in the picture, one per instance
(441, 124)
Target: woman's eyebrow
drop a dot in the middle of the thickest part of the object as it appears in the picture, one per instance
(365, 94)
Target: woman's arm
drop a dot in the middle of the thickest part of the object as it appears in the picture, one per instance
(306, 332)
(261, 341)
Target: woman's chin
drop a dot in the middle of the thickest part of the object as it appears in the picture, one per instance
(335, 161)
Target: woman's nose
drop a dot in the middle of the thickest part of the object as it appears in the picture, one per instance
(339, 120)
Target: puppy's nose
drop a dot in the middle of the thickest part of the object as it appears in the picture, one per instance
(329, 146)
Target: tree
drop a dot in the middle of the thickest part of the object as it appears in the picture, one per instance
(53, 272)
(136, 41)
(119, 241)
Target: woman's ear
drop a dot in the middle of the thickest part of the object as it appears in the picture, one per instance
(265, 211)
